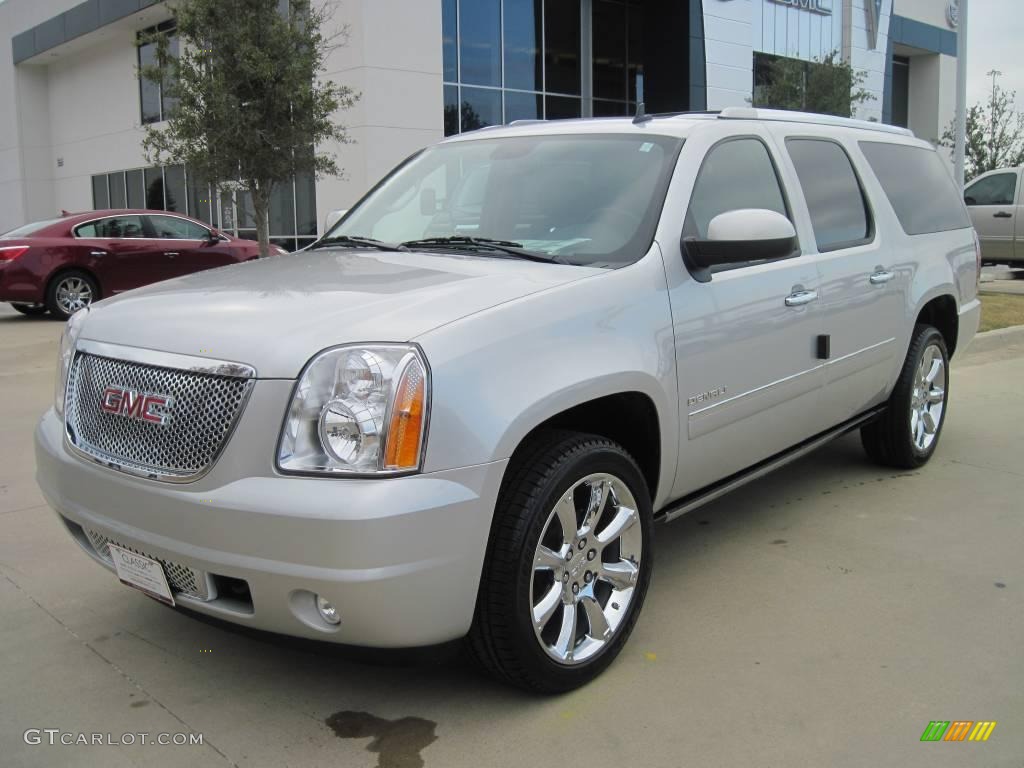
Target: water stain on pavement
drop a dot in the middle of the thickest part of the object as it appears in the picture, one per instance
(398, 743)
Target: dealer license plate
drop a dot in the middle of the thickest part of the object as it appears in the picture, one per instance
(142, 573)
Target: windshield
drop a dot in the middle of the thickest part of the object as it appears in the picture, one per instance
(29, 229)
(586, 199)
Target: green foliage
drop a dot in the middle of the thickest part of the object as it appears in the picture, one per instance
(250, 107)
(995, 135)
(827, 86)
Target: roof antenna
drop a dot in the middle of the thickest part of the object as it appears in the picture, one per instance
(641, 116)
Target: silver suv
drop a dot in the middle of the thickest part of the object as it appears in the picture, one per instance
(463, 410)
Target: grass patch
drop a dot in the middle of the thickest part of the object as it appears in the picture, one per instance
(1001, 310)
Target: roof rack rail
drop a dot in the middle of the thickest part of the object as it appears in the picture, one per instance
(780, 115)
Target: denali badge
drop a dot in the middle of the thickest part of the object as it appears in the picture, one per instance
(144, 406)
(702, 397)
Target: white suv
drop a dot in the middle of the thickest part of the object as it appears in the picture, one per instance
(463, 410)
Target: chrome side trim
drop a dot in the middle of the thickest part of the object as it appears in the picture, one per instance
(179, 362)
(703, 496)
(844, 358)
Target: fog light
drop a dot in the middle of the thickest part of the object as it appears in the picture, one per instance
(327, 611)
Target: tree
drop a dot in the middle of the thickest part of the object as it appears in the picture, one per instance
(827, 86)
(249, 108)
(995, 135)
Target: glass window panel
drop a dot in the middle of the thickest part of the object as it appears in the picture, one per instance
(100, 195)
(167, 103)
(154, 189)
(451, 110)
(117, 198)
(480, 44)
(523, 106)
(305, 204)
(918, 184)
(149, 91)
(635, 51)
(834, 197)
(136, 187)
(282, 209)
(561, 45)
(245, 210)
(609, 50)
(480, 107)
(562, 107)
(610, 108)
(449, 35)
(737, 174)
(523, 39)
(173, 228)
(199, 199)
(174, 188)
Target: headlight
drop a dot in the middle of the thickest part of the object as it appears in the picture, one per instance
(358, 410)
(72, 329)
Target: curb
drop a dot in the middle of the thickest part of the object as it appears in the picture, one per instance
(997, 339)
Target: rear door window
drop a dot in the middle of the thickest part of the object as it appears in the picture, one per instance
(835, 199)
(113, 228)
(919, 187)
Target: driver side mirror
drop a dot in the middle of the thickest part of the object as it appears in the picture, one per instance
(735, 237)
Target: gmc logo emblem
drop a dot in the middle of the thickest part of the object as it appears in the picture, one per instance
(122, 401)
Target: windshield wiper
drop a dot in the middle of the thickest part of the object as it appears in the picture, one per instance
(461, 242)
(345, 241)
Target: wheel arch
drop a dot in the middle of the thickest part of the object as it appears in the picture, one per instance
(940, 311)
(64, 269)
(628, 417)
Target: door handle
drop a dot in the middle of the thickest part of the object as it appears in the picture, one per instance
(172, 254)
(800, 298)
(1002, 215)
(97, 253)
(878, 278)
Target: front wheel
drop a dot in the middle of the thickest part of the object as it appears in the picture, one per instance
(568, 563)
(906, 435)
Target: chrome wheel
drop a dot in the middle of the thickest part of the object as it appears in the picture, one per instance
(928, 399)
(73, 293)
(585, 569)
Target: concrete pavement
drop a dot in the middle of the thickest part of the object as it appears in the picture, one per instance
(819, 617)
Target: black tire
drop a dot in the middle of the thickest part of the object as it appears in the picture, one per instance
(889, 440)
(31, 310)
(54, 303)
(502, 637)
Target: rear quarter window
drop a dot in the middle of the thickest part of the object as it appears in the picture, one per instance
(918, 186)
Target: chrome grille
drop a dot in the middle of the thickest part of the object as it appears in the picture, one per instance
(180, 577)
(205, 408)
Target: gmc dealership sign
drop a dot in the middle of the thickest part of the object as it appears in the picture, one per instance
(814, 6)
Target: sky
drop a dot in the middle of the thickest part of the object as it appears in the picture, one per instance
(995, 40)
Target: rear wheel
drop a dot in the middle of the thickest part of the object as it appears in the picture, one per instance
(70, 292)
(906, 435)
(568, 563)
(32, 310)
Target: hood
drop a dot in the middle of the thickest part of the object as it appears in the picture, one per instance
(276, 313)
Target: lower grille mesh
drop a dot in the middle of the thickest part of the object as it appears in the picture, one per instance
(181, 578)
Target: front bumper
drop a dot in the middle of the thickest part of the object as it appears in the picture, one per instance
(399, 557)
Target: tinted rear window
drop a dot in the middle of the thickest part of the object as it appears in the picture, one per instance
(832, 190)
(919, 187)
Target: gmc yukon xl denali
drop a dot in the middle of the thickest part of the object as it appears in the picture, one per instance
(463, 410)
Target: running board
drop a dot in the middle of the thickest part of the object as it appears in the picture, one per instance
(731, 483)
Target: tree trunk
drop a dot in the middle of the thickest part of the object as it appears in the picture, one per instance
(260, 191)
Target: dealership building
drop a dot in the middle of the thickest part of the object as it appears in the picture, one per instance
(74, 109)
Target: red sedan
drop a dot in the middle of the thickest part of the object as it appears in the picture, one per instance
(62, 265)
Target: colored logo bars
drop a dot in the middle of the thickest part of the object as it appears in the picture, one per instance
(958, 730)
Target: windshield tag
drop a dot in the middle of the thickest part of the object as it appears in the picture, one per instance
(647, 146)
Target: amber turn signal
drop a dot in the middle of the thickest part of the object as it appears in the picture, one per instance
(405, 432)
